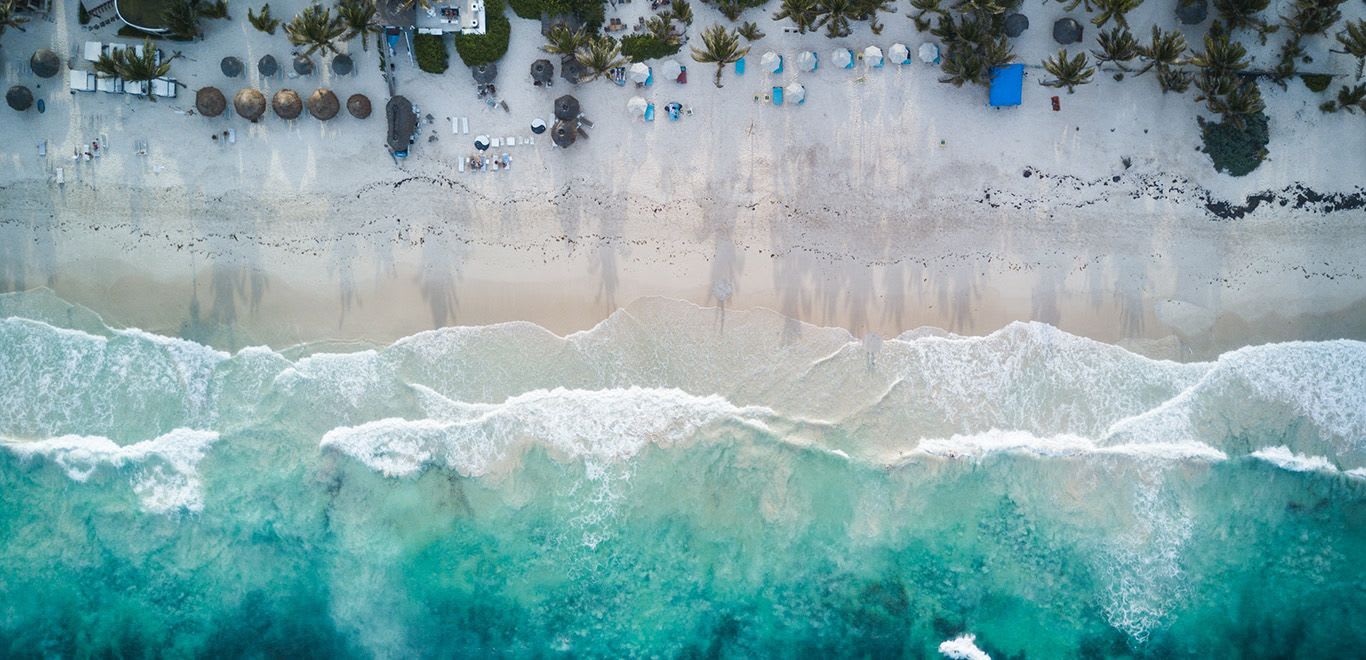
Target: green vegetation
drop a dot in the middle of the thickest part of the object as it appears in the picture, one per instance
(263, 21)
(430, 51)
(971, 48)
(1114, 9)
(1245, 15)
(1068, 72)
(1117, 46)
(530, 9)
(1164, 53)
(561, 41)
(1236, 150)
(803, 13)
(314, 29)
(1309, 18)
(732, 9)
(1316, 82)
(476, 49)
(82, 14)
(1353, 41)
(750, 31)
(1350, 99)
(641, 47)
(720, 47)
(598, 56)
(589, 12)
(359, 18)
(127, 64)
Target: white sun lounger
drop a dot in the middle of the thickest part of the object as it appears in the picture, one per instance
(460, 164)
(92, 51)
(465, 125)
(82, 81)
(232, 136)
(61, 176)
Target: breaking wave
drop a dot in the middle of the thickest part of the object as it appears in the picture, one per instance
(502, 488)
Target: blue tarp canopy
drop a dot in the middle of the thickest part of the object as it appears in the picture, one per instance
(1007, 82)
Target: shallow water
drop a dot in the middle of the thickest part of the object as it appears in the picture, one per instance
(676, 482)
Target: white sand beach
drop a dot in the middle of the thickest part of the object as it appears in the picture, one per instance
(886, 202)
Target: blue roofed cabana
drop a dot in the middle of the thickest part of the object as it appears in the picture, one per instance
(1007, 85)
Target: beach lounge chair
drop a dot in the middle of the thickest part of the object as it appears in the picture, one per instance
(232, 136)
(61, 176)
(740, 67)
(92, 51)
(135, 88)
(82, 81)
(650, 112)
(164, 87)
(777, 96)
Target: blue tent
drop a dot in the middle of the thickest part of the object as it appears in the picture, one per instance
(1007, 83)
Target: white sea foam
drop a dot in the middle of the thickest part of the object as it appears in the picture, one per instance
(165, 473)
(474, 439)
(1020, 442)
(963, 647)
(1283, 458)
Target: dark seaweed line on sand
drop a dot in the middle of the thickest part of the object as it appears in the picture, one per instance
(1163, 187)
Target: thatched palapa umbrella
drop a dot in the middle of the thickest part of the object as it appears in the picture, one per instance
(231, 66)
(268, 66)
(303, 65)
(342, 65)
(1192, 12)
(19, 98)
(1016, 24)
(45, 63)
(484, 73)
(287, 104)
(323, 104)
(542, 71)
(571, 70)
(358, 105)
(567, 107)
(1066, 31)
(564, 133)
(250, 103)
(210, 102)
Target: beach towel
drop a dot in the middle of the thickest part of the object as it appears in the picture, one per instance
(740, 67)
(650, 112)
(777, 96)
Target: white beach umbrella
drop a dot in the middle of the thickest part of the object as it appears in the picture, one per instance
(670, 70)
(636, 106)
(841, 57)
(796, 92)
(771, 62)
(929, 53)
(806, 60)
(639, 72)
(898, 54)
(872, 56)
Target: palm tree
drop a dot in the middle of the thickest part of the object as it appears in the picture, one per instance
(1173, 80)
(964, 65)
(720, 47)
(126, 63)
(182, 19)
(924, 8)
(1353, 40)
(1242, 15)
(1115, 9)
(1071, 5)
(1234, 101)
(1165, 50)
(1118, 46)
(662, 30)
(561, 41)
(750, 31)
(834, 17)
(731, 9)
(1352, 99)
(803, 14)
(315, 28)
(8, 19)
(598, 56)
(263, 21)
(867, 10)
(1312, 17)
(1221, 55)
(359, 18)
(1068, 72)
(682, 11)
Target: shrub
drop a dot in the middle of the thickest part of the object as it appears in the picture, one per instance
(1317, 82)
(130, 31)
(590, 12)
(641, 47)
(1234, 150)
(526, 8)
(430, 50)
(475, 49)
(83, 14)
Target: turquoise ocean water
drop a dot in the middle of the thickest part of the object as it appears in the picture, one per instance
(676, 483)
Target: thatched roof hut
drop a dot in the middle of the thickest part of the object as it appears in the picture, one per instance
(567, 107)
(484, 73)
(267, 66)
(564, 133)
(402, 123)
(342, 65)
(45, 63)
(210, 102)
(287, 104)
(358, 105)
(1192, 12)
(323, 104)
(19, 98)
(542, 71)
(230, 66)
(1016, 24)
(303, 65)
(250, 103)
(1066, 31)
